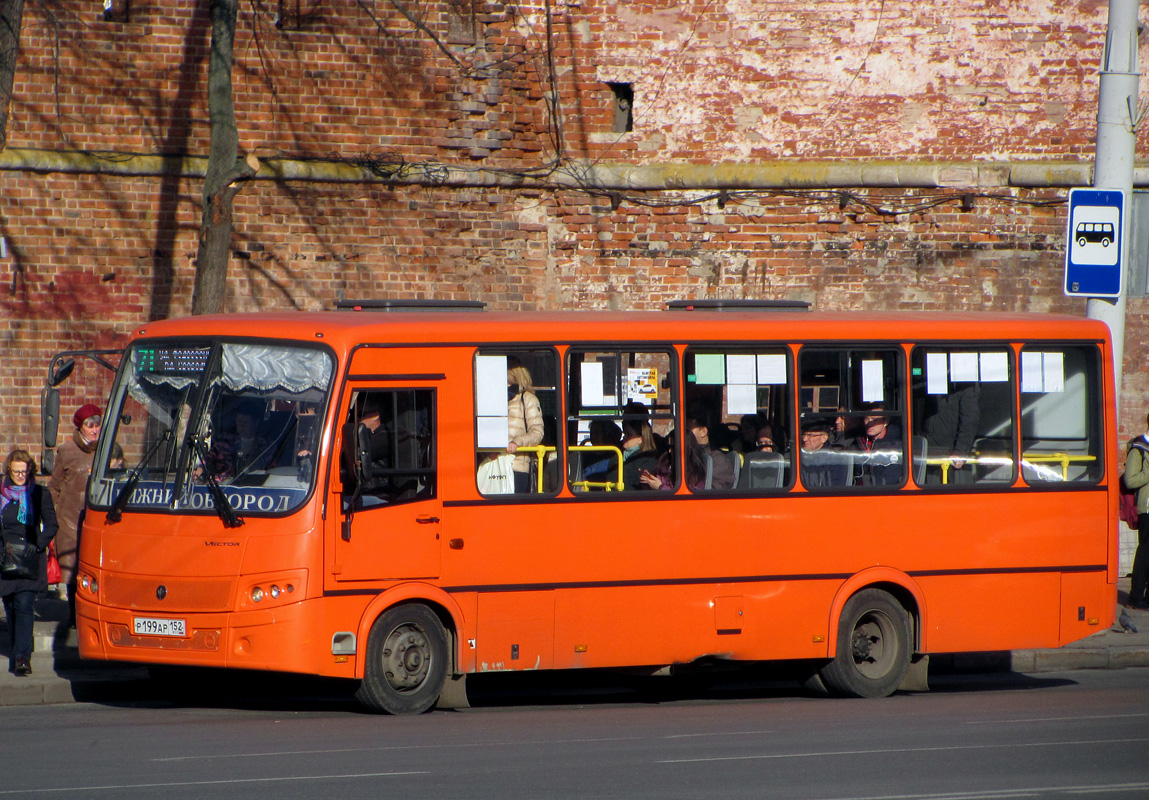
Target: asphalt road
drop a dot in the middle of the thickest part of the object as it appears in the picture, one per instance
(1006, 735)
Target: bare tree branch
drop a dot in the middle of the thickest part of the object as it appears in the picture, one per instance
(11, 12)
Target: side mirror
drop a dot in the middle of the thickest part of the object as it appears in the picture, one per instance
(50, 426)
(61, 373)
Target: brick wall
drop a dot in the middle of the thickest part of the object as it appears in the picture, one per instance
(970, 82)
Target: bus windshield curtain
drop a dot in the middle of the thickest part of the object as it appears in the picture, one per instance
(268, 368)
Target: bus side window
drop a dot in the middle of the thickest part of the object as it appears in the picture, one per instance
(743, 396)
(963, 428)
(389, 454)
(620, 424)
(516, 409)
(852, 423)
(1060, 414)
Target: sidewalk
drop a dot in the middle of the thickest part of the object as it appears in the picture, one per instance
(59, 675)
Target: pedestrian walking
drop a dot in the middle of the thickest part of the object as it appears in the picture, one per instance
(27, 526)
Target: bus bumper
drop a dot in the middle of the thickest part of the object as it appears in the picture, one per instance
(279, 639)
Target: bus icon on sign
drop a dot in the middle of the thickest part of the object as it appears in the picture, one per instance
(1099, 232)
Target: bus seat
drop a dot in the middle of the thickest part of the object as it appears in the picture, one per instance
(709, 484)
(762, 471)
(736, 462)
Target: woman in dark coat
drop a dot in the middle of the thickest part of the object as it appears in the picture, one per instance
(26, 515)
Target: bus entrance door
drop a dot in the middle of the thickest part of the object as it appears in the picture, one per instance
(387, 493)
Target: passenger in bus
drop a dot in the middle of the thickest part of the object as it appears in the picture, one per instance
(748, 427)
(695, 459)
(950, 429)
(881, 443)
(722, 467)
(764, 440)
(639, 452)
(640, 411)
(846, 430)
(819, 466)
(602, 465)
(524, 424)
(241, 449)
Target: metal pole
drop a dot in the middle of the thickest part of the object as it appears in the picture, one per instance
(1116, 137)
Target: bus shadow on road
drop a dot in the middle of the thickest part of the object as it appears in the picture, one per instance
(232, 689)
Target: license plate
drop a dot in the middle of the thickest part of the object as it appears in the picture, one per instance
(150, 626)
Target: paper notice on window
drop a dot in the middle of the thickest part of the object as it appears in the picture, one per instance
(937, 373)
(491, 386)
(963, 367)
(994, 367)
(1032, 379)
(710, 368)
(1053, 372)
(872, 382)
(642, 385)
(741, 370)
(741, 398)
(771, 369)
(494, 432)
(593, 393)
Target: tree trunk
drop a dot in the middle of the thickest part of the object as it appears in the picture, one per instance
(11, 12)
(225, 171)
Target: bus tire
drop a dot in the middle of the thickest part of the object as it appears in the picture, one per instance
(874, 638)
(406, 661)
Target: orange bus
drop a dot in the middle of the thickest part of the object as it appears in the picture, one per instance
(336, 494)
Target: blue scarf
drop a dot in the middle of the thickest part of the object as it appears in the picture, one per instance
(11, 493)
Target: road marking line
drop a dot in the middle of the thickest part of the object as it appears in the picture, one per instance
(1055, 719)
(730, 733)
(124, 786)
(275, 753)
(996, 746)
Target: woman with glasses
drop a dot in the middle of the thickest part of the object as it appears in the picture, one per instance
(26, 516)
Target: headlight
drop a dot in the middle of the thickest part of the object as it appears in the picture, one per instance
(257, 594)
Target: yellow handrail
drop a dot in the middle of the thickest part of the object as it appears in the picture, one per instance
(541, 450)
(1064, 459)
(607, 485)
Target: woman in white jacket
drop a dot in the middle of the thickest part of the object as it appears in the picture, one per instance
(524, 424)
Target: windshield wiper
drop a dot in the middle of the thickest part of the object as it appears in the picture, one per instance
(222, 504)
(116, 512)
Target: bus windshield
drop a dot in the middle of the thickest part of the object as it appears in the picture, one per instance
(186, 420)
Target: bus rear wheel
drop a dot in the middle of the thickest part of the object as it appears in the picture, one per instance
(406, 661)
(873, 655)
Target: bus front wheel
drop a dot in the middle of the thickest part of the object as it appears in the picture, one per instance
(406, 661)
(874, 638)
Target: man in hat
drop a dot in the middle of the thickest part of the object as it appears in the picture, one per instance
(821, 465)
(68, 483)
(881, 443)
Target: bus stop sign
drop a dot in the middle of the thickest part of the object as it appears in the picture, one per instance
(1095, 237)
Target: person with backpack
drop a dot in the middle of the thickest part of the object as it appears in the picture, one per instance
(1137, 479)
